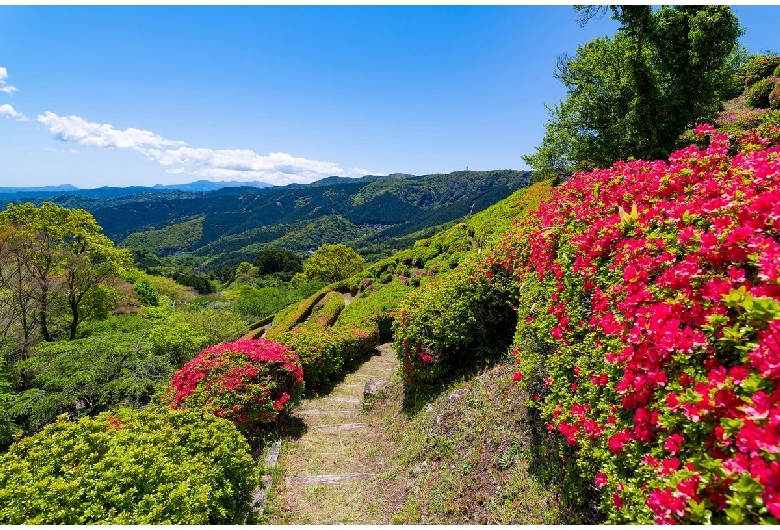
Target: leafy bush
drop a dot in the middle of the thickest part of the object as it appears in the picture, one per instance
(7, 428)
(332, 263)
(326, 311)
(247, 381)
(89, 375)
(647, 331)
(451, 324)
(774, 96)
(130, 467)
(184, 333)
(146, 293)
(758, 95)
(324, 352)
(758, 68)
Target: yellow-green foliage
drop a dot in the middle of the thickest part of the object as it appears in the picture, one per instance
(373, 310)
(286, 319)
(157, 466)
(326, 311)
(167, 287)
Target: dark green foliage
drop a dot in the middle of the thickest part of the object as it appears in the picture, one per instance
(632, 95)
(199, 283)
(89, 375)
(758, 95)
(7, 397)
(174, 238)
(278, 261)
(157, 466)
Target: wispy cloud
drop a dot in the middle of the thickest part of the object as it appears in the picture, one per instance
(233, 164)
(7, 111)
(76, 129)
(4, 86)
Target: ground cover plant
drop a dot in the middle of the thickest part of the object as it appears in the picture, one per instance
(647, 329)
(156, 466)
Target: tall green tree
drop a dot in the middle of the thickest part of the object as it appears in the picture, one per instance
(332, 263)
(632, 95)
(57, 255)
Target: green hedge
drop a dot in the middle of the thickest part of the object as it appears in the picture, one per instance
(156, 466)
(288, 318)
(326, 311)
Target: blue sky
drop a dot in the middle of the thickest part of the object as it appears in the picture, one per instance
(141, 95)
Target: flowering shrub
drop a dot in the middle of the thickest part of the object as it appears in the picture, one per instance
(373, 311)
(156, 466)
(247, 381)
(427, 342)
(324, 351)
(649, 329)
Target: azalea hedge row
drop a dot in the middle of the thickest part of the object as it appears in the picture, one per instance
(326, 311)
(373, 311)
(288, 318)
(247, 381)
(649, 329)
(456, 321)
(325, 351)
(157, 466)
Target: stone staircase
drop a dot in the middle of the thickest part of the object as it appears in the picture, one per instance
(331, 452)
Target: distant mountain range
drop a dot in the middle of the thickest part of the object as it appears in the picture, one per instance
(214, 228)
(110, 192)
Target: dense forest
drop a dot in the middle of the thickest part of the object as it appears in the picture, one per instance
(595, 342)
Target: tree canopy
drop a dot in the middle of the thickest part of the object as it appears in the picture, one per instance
(332, 263)
(632, 95)
(50, 259)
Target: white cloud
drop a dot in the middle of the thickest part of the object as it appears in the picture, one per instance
(233, 164)
(7, 111)
(4, 86)
(76, 129)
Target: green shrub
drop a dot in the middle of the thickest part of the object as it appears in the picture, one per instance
(89, 375)
(326, 311)
(374, 309)
(774, 97)
(155, 466)
(324, 352)
(288, 318)
(451, 324)
(247, 381)
(758, 94)
(146, 293)
(758, 68)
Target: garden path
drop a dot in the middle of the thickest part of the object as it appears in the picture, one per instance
(325, 466)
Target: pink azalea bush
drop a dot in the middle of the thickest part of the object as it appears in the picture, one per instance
(649, 328)
(247, 381)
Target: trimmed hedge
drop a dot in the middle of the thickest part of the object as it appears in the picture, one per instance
(288, 318)
(326, 311)
(156, 466)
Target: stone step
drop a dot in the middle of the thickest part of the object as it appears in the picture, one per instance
(342, 427)
(329, 479)
(316, 412)
(354, 401)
